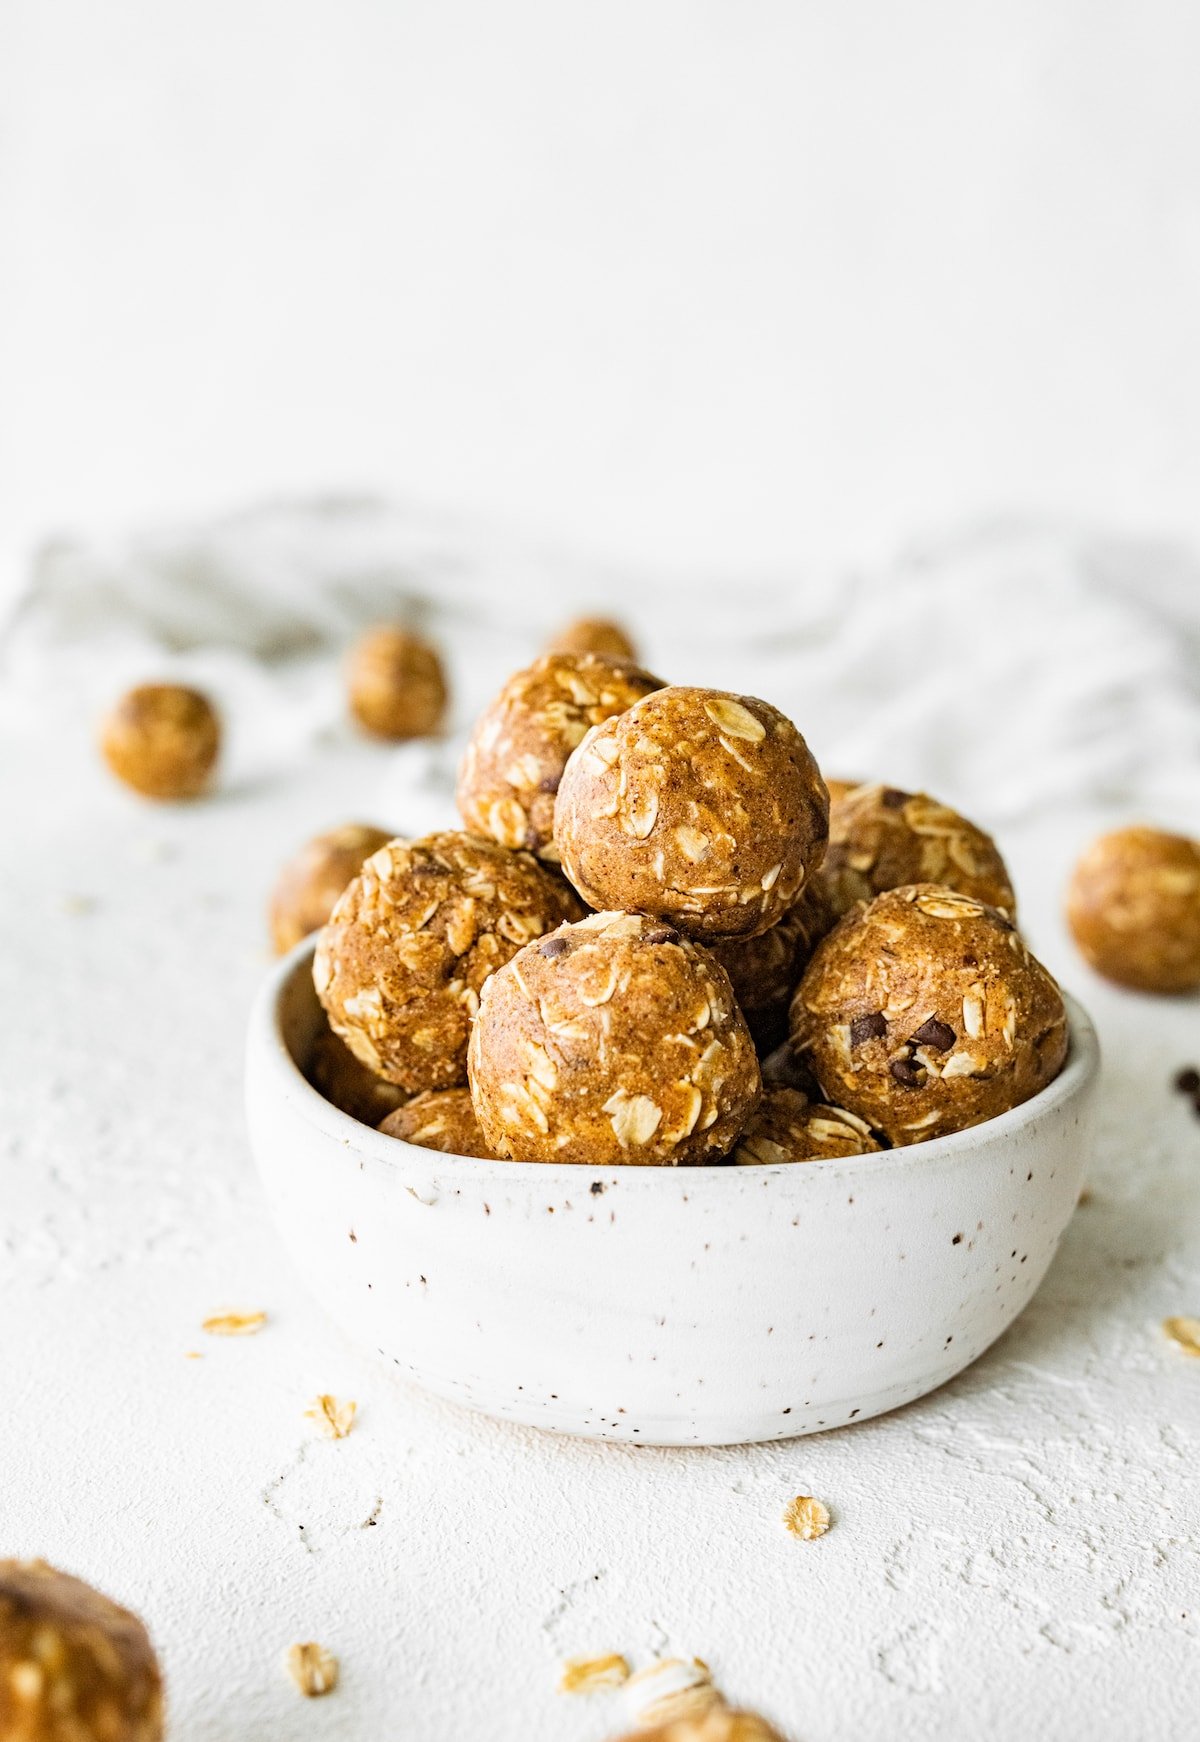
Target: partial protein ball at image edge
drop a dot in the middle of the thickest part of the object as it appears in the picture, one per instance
(1133, 909)
(73, 1663)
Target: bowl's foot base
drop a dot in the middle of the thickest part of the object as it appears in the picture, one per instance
(645, 1428)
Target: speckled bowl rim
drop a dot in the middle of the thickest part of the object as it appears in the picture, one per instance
(266, 1039)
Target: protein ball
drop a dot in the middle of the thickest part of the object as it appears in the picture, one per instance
(163, 740)
(593, 635)
(764, 970)
(74, 1667)
(400, 964)
(881, 838)
(924, 1013)
(440, 1119)
(395, 684)
(787, 1126)
(613, 1040)
(347, 1084)
(516, 754)
(1133, 907)
(311, 881)
(697, 806)
(718, 1724)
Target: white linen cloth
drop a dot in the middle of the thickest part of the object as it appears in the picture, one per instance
(1007, 668)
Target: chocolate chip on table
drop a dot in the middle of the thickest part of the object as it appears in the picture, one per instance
(906, 1073)
(865, 1028)
(936, 1034)
(1188, 1080)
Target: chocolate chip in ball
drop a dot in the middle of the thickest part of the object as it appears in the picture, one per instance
(893, 799)
(936, 1034)
(865, 1028)
(906, 1073)
(1188, 1080)
(555, 946)
(660, 934)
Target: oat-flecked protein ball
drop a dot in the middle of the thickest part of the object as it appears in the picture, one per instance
(395, 684)
(347, 1084)
(698, 806)
(881, 838)
(410, 943)
(718, 1724)
(613, 1040)
(440, 1119)
(787, 1126)
(1133, 907)
(765, 970)
(593, 635)
(310, 883)
(74, 1666)
(515, 758)
(923, 1013)
(163, 740)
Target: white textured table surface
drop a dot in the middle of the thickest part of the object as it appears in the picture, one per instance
(1016, 1555)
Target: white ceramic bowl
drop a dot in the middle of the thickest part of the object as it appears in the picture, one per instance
(690, 1306)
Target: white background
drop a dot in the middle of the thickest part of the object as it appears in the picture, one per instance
(687, 283)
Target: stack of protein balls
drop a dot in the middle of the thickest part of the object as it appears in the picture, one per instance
(650, 910)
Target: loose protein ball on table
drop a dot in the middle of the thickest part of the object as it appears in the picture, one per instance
(881, 838)
(764, 970)
(519, 747)
(74, 1666)
(395, 684)
(701, 807)
(616, 1039)
(719, 1723)
(311, 881)
(440, 1119)
(347, 1084)
(593, 635)
(163, 740)
(400, 964)
(1133, 907)
(924, 1013)
(788, 1126)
